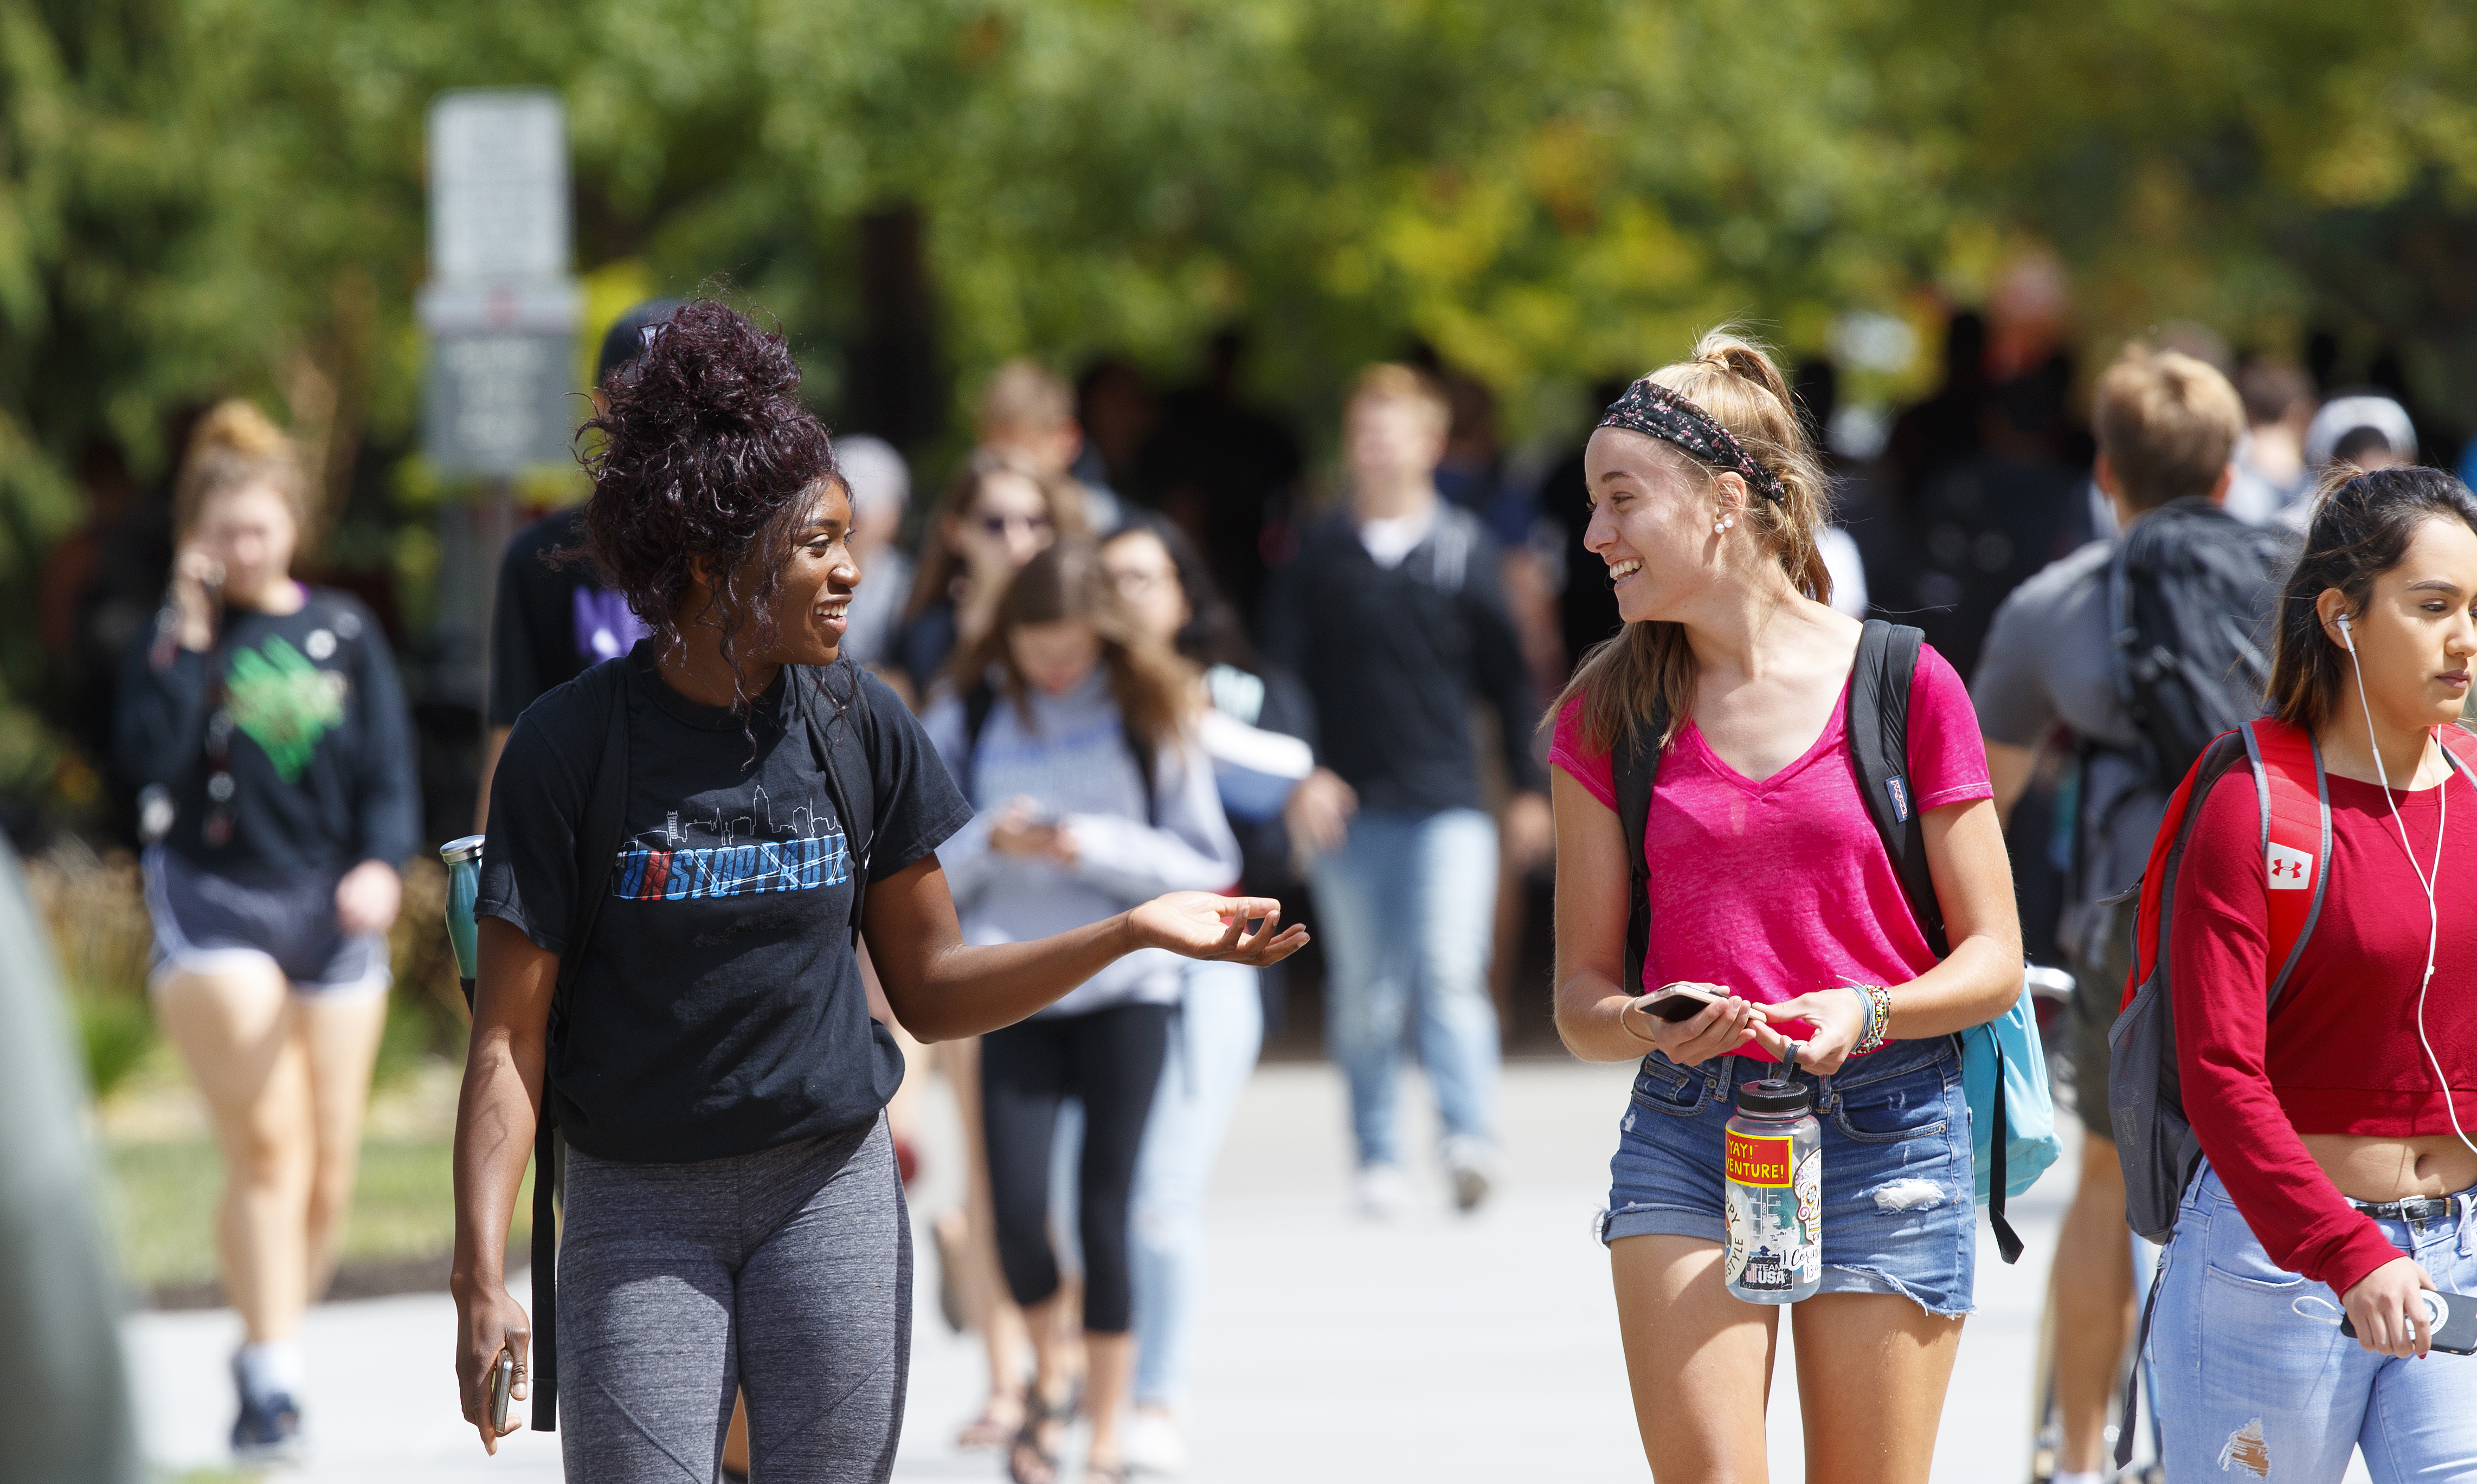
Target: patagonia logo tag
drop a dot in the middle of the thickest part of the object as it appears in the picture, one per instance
(1899, 787)
(2291, 869)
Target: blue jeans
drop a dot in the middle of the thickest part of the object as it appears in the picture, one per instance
(1213, 1046)
(1898, 1213)
(2248, 1386)
(1407, 909)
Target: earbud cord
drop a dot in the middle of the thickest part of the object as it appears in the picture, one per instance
(2432, 913)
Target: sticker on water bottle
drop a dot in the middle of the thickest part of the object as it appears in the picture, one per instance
(1773, 1208)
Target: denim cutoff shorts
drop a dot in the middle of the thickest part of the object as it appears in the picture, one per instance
(1900, 1210)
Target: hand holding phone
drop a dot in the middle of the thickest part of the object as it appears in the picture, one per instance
(503, 1381)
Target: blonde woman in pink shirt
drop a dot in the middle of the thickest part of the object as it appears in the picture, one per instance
(1767, 878)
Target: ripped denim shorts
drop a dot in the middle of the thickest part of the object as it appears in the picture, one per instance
(1900, 1214)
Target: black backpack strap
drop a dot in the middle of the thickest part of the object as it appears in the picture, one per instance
(598, 839)
(1634, 763)
(978, 703)
(1145, 762)
(1878, 727)
(844, 726)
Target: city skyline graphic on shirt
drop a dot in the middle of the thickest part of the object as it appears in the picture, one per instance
(749, 856)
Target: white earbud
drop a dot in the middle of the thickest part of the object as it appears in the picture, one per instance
(2343, 635)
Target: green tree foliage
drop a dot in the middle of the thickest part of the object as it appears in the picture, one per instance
(208, 195)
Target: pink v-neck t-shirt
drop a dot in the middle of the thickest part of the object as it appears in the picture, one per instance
(1782, 887)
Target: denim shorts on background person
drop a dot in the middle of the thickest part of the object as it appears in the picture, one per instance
(2248, 1388)
(1900, 1212)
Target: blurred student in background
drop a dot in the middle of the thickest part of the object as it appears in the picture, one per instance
(880, 490)
(269, 715)
(2167, 426)
(1393, 616)
(1166, 589)
(2271, 471)
(998, 513)
(553, 619)
(1027, 416)
(1069, 729)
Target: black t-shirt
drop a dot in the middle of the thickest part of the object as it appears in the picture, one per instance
(288, 749)
(550, 623)
(719, 1008)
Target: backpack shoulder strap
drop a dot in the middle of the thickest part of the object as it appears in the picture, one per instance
(1878, 729)
(1635, 766)
(598, 838)
(978, 703)
(1145, 762)
(599, 833)
(2295, 794)
(2157, 888)
(843, 737)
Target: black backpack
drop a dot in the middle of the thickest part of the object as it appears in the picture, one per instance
(2190, 591)
(842, 738)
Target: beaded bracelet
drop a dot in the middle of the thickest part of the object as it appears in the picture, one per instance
(1879, 1017)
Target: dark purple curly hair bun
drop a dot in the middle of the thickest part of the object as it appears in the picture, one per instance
(706, 452)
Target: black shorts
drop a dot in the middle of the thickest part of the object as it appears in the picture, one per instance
(205, 922)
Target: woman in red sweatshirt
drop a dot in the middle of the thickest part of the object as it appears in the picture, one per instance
(2336, 1123)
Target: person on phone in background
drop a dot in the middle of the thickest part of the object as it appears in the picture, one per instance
(1071, 730)
(553, 619)
(996, 515)
(1219, 1029)
(1768, 877)
(2167, 427)
(733, 1216)
(2338, 1172)
(271, 714)
(1393, 617)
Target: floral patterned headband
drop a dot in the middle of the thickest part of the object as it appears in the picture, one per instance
(1655, 411)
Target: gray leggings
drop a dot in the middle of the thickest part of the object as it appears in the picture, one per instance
(786, 1273)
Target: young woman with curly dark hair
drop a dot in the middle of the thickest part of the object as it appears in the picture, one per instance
(733, 1215)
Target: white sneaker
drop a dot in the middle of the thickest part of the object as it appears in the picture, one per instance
(1381, 1191)
(1154, 1445)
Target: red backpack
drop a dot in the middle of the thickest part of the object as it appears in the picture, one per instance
(2145, 1104)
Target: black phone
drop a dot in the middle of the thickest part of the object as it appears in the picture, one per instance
(1681, 1001)
(2452, 1317)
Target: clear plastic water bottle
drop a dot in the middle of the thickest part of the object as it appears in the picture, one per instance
(1774, 1194)
(463, 857)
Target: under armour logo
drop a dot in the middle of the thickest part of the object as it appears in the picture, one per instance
(2291, 869)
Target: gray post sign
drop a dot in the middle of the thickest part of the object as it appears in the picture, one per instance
(500, 309)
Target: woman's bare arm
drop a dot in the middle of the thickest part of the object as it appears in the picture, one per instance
(495, 1118)
(942, 989)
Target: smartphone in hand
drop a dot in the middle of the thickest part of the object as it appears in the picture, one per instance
(1682, 1000)
(503, 1380)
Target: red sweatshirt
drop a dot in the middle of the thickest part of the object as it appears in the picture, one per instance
(2339, 1055)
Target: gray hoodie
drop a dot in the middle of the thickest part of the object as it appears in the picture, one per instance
(1074, 764)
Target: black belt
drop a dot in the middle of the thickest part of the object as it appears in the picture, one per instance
(2415, 1208)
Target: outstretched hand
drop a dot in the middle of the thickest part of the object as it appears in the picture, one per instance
(1206, 924)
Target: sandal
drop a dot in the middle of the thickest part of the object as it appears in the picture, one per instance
(1027, 1461)
(991, 1429)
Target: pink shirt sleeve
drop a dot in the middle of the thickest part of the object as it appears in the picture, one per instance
(1569, 749)
(1947, 755)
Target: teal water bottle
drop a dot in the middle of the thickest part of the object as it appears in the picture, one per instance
(1773, 1195)
(464, 858)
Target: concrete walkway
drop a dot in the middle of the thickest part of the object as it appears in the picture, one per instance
(1438, 1347)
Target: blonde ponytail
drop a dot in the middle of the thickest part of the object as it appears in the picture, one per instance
(1649, 666)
